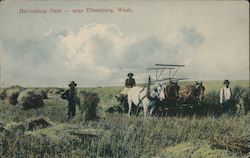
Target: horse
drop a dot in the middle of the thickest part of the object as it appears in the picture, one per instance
(146, 98)
(186, 93)
(192, 93)
(172, 91)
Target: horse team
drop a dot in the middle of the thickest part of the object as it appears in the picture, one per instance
(169, 94)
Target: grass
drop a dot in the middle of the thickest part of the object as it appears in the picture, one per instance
(116, 135)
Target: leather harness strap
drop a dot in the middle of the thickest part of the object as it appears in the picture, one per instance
(147, 95)
(140, 100)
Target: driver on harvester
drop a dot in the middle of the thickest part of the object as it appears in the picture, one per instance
(129, 83)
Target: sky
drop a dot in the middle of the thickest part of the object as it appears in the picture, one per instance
(211, 38)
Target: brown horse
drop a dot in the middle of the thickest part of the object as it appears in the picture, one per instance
(172, 91)
(192, 93)
(186, 93)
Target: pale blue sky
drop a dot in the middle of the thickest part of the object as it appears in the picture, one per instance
(95, 49)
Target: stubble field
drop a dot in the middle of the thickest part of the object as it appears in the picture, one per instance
(45, 131)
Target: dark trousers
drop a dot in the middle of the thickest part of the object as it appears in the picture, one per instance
(71, 111)
(227, 106)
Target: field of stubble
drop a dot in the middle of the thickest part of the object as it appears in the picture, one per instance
(116, 135)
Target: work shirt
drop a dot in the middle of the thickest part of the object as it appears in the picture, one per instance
(130, 82)
(70, 95)
(225, 94)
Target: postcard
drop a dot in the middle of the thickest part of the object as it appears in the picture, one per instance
(124, 78)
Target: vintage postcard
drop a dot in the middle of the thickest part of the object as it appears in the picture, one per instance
(124, 79)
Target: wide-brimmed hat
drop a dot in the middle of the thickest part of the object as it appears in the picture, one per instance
(226, 81)
(130, 74)
(73, 83)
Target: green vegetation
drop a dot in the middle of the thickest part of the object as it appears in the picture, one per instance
(216, 85)
(46, 132)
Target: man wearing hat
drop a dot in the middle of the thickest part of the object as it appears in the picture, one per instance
(226, 96)
(70, 95)
(130, 82)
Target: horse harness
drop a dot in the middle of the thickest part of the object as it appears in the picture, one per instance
(147, 95)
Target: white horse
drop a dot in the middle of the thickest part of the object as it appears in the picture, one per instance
(142, 97)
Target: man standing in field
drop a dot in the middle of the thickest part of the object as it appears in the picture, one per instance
(70, 95)
(226, 96)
